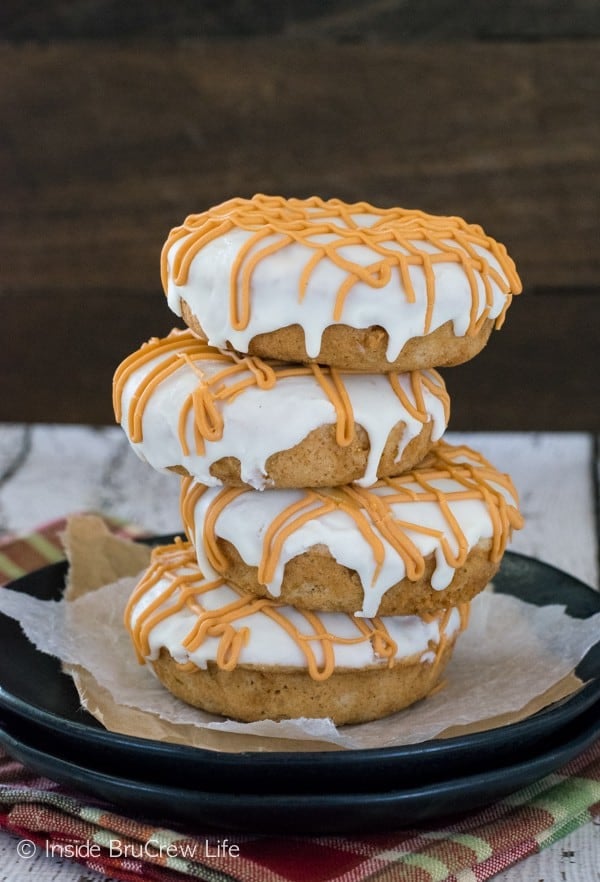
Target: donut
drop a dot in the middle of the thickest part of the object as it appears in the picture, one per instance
(428, 539)
(227, 419)
(347, 285)
(248, 658)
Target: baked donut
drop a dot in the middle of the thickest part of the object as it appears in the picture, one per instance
(248, 658)
(347, 285)
(226, 419)
(430, 538)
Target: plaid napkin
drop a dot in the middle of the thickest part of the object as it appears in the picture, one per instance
(64, 823)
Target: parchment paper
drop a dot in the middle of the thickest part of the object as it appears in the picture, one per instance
(514, 659)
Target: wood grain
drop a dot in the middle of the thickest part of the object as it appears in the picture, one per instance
(358, 20)
(107, 146)
(537, 371)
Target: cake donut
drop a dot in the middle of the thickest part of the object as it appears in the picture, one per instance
(227, 419)
(347, 285)
(430, 538)
(251, 658)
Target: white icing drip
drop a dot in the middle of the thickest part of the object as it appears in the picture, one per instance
(261, 422)
(245, 520)
(275, 284)
(270, 644)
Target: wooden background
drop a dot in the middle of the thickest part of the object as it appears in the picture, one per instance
(118, 119)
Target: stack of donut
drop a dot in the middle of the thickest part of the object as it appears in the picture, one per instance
(334, 539)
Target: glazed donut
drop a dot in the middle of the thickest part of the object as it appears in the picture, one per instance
(347, 285)
(226, 419)
(248, 658)
(428, 539)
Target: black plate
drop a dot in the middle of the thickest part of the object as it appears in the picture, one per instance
(33, 688)
(306, 813)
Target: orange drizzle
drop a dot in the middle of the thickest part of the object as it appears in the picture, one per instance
(190, 495)
(373, 513)
(392, 237)
(209, 539)
(279, 530)
(333, 386)
(171, 350)
(185, 586)
(383, 520)
(205, 402)
(181, 590)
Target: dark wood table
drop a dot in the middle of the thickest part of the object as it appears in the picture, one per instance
(109, 142)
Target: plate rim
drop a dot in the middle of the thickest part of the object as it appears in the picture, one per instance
(588, 736)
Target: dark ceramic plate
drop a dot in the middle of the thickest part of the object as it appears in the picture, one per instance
(384, 808)
(33, 688)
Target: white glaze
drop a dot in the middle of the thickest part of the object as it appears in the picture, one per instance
(270, 644)
(275, 285)
(245, 520)
(261, 422)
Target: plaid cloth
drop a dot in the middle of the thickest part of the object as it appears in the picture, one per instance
(62, 822)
